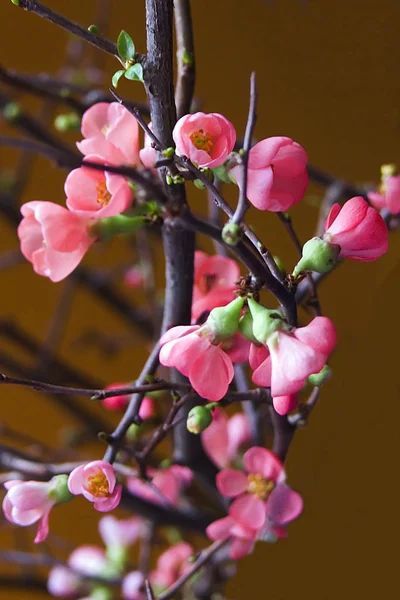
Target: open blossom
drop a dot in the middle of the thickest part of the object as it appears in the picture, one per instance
(223, 438)
(27, 502)
(242, 538)
(97, 194)
(215, 280)
(53, 239)
(131, 586)
(292, 356)
(206, 139)
(191, 350)
(171, 565)
(112, 132)
(84, 561)
(120, 532)
(358, 229)
(120, 402)
(277, 176)
(166, 484)
(388, 196)
(96, 482)
(262, 499)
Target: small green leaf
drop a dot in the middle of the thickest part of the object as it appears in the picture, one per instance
(135, 72)
(117, 76)
(126, 47)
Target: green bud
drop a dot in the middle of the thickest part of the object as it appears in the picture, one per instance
(318, 255)
(110, 226)
(169, 152)
(94, 29)
(188, 58)
(16, 2)
(265, 321)
(279, 264)
(223, 321)
(101, 593)
(133, 433)
(199, 184)
(199, 418)
(59, 489)
(169, 180)
(67, 122)
(178, 179)
(11, 111)
(222, 174)
(246, 327)
(318, 379)
(117, 556)
(231, 234)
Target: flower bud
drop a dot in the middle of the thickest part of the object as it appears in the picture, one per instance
(318, 255)
(199, 418)
(265, 321)
(11, 111)
(59, 491)
(67, 122)
(223, 321)
(231, 234)
(318, 379)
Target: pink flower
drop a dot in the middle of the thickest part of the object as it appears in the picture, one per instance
(285, 404)
(243, 538)
(110, 131)
(120, 532)
(131, 586)
(261, 496)
(96, 482)
(389, 196)
(134, 277)
(171, 565)
(206, 139)
(53, 239)
(277, 175)
(27, 502)
(358, 229)
(148, 153)
(223, 438)
(166, 484)
(63, 582)
(190, 349)
(99, 194)
(293, 356)
(215, 280)
(88, 560)
(120, 402)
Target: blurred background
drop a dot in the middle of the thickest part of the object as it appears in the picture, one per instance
(327, 76)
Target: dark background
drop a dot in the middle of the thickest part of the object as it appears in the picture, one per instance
(327, 77)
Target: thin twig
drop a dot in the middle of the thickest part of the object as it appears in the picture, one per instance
(185, 57)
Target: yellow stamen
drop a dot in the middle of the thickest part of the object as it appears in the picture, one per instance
(202, 140)
(103, 195)
(97, 485)
(260, 486)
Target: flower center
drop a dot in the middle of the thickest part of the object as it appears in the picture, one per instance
(97, 485)
(202, 140)
(260, 486)
(103, 195)
(105, 129)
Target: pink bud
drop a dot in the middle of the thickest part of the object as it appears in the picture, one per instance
(207, 139)
(96, 482)
(389, 196)
(285, 404)
(53, 239)
(358, 229)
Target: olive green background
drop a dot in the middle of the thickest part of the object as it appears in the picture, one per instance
(327, 76)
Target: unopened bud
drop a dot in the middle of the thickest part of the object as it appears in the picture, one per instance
(199, 418)
(318, 255)
(318, 379)
(11, 111)
(231, 234)
(94, 29)
(265, 321)
(67, 122)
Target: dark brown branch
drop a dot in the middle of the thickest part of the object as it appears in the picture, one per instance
(185, 57)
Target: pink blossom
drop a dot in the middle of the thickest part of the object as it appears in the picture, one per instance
(99, 194)
(206, 139)
(131, 586)
(27, 502)
(166, 484)
(62, 582)
(294, 356)
(171, 565)
(223, 438)
(120, 532)
(134, 277)
(53, 239)
(96, 482)
(148, 153)
(237, 348)
(88, 560)
(388, 196)
(215, 280)
(358, 229)
(243, 538)
(112, 132)
(285, 404)
(277, 175)
(261, 496)
(190, 349)
(120, 402)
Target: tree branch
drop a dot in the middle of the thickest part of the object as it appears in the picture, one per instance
(185, 57)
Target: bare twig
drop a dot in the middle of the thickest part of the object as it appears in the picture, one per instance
(185, 57)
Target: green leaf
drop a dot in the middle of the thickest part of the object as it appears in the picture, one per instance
(117, 76)
(126, 47)
(135, 72)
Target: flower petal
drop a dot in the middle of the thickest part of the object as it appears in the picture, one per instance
(231, 482)
(261, 461)
(249, 511)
